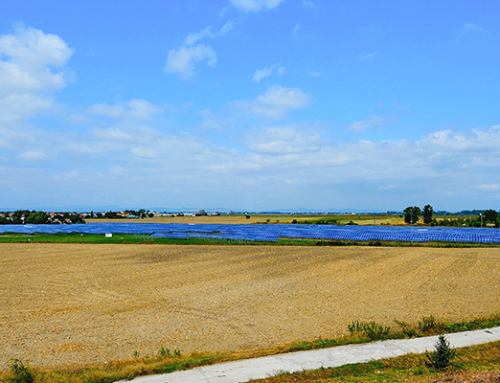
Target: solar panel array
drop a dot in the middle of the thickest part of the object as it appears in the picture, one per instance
(270, 232)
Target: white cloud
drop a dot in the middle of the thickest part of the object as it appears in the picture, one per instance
(283, 140)
(144, 152)
(17, 107)
(117, 171)
(113, 134)
(215, 122)
(136, 109)
(255, 5)
(296, 28)
(32, 155)
(262, 73)
(367, 123)
(70, 176)
(126, 134)
(182, 61)
(368, 56)
(267, 72)
(32, 68)
(489, 187)
(315, 74)
(283, 99)
(473, 27)
(142, 109)
(31, 61)
(193, 38)
(275, 103)
(269, 159)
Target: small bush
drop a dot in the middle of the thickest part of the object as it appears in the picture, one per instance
(163, 352)
(407, 330)
(454, 327)
(177, 353)
(418, 371)
(376, 331)
(370, 330)
(136, 354)
(355, 327)
(441, 358)
(428, 324)
(20, 372)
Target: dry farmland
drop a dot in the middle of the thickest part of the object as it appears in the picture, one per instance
(70, 303)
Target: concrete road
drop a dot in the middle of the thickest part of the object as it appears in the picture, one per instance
(258, 368)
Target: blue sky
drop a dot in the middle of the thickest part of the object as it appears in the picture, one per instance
(250, 104)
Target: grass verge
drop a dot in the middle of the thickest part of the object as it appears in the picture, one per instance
(148, 239)
(480, 364)
(165, 362)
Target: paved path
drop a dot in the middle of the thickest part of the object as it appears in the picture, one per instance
(258, 368)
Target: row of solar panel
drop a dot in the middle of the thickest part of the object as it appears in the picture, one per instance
(271, 232)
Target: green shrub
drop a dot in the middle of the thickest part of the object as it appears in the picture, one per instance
(163, 352)
(428, 324)
(21, 373)
(376, 331)
(418, 371)
(370, 330)
(355, 327)
(441, 358)
(407, 330)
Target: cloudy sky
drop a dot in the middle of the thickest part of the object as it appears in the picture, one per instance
(250, 104)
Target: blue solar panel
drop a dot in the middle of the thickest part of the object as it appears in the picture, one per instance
(271, 232)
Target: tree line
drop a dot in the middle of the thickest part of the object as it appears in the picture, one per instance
(412, 216)
(22, 217)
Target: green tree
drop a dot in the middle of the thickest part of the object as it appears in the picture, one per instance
(411, 214)
(428, 212)
(490, 215)
(19, 216)
(109, 215)
(37, 218)
(441, 358)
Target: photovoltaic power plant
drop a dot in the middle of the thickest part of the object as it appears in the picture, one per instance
(271, 232)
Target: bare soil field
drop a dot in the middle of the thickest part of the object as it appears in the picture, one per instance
(260, 218)
(237, 219)
(71, 304)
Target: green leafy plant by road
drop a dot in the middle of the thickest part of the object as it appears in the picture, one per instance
(370, 330)
(20, 372)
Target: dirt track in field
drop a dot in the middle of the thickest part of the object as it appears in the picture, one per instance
(71, 303)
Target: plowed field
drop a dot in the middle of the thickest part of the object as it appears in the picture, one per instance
(72, 303)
